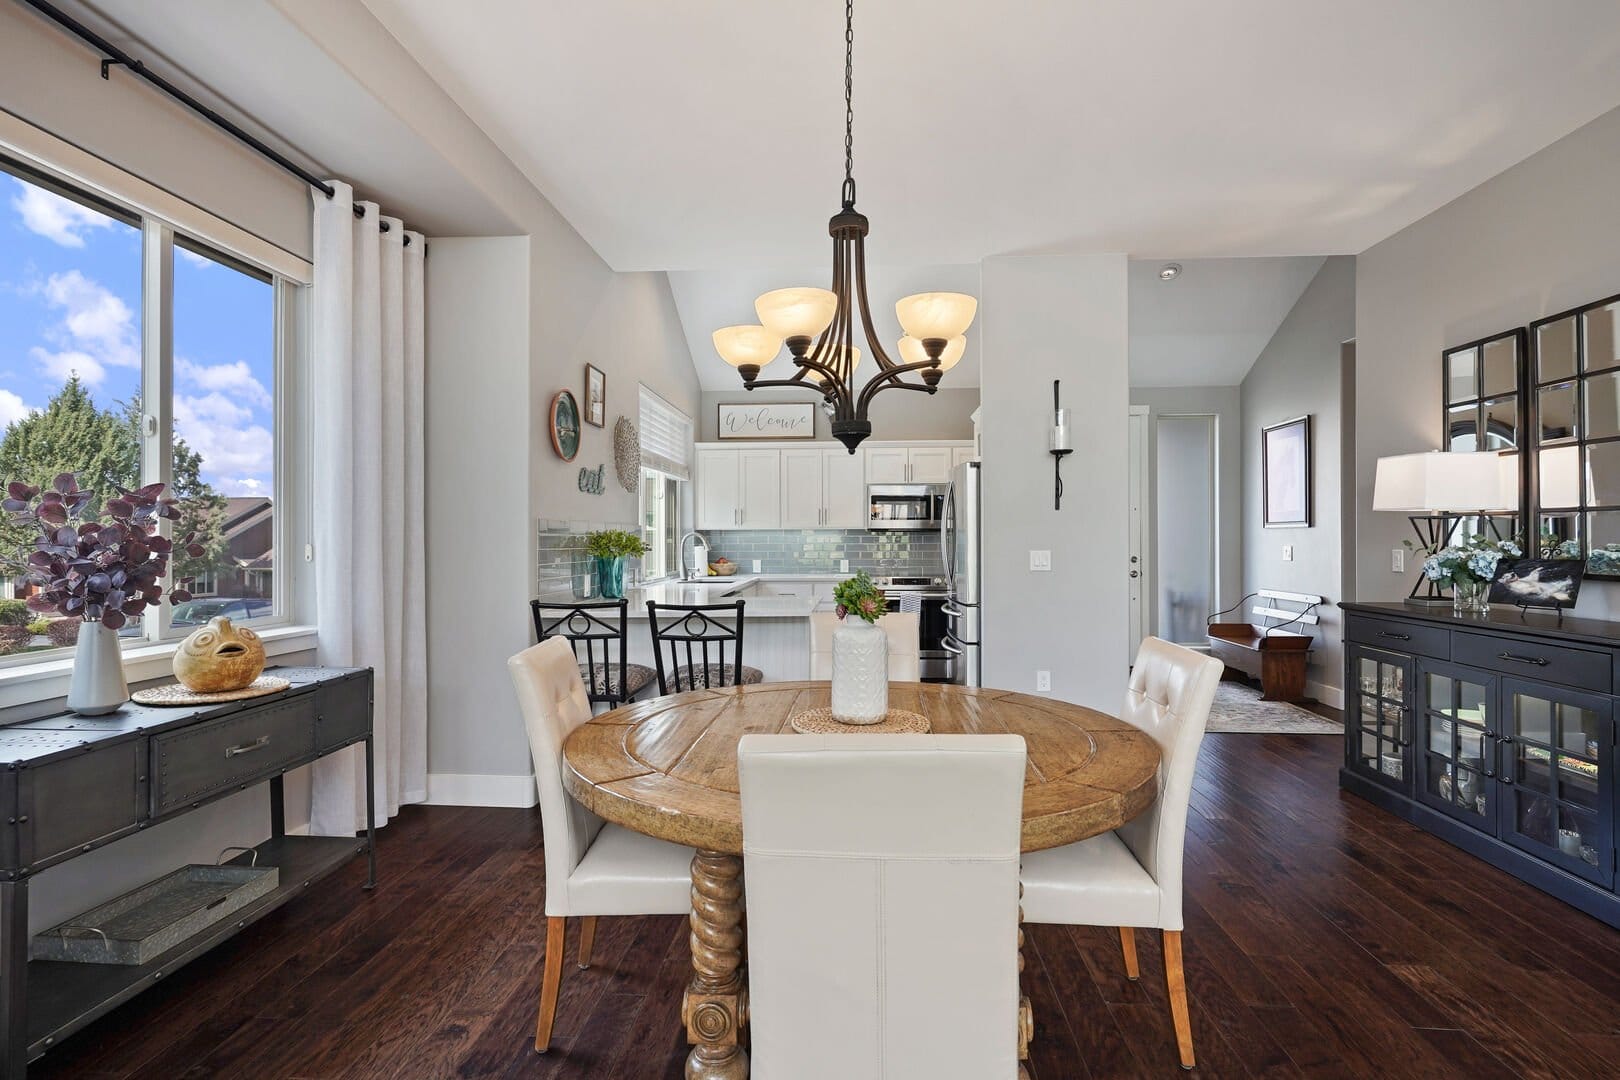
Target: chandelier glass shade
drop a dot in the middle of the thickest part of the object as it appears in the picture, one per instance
(818, 326)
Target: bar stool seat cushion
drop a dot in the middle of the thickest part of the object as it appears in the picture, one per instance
(691, 677)
(636, 678)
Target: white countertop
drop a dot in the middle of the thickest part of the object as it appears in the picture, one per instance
(713, 591)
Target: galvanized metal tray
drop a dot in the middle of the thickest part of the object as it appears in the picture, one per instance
(136, 927)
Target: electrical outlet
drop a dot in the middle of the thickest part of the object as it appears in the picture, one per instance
(1397, 560)
(843, 566)
(1043, 682)
(1288, 553)
(1040, 560)
(757, 565)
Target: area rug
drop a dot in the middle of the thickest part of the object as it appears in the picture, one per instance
(1238, 708)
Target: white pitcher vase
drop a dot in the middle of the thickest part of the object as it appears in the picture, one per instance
(98, 685)
(860, 672)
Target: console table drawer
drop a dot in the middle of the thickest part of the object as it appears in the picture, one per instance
(201, 761)
(344, 711)
(1532, 659)
(1408, 637)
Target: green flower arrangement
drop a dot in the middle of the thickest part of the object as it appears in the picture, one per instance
(861, 597)
(613, 544)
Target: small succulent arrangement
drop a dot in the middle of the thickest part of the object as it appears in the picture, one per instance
(101, 566)
(1471, 561)
(859, 596)
(614, 544)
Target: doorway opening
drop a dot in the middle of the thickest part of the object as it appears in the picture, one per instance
(1185, 516)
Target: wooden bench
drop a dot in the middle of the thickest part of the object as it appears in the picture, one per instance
(1268, 651)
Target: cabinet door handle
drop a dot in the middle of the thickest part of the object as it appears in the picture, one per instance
(1539, 661)
(248, 747)
(1397, 637)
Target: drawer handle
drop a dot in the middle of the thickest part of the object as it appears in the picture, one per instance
(248, 747)
(1397, 637)
(1539, 661)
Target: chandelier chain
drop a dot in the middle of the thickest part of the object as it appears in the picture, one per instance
(849, 104)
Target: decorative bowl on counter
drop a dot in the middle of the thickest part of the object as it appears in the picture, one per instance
(723, 567)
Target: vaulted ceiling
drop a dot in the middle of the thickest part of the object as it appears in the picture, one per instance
(709, 134)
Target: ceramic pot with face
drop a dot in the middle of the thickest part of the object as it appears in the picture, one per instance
(219, 657)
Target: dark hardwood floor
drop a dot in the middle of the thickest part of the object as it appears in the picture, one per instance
(1324, 938)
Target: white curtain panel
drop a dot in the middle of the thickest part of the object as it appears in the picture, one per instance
(366, 408)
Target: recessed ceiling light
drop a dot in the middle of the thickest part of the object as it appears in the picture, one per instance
(1169, 271)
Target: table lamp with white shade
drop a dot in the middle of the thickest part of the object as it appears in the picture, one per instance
(1432, 487)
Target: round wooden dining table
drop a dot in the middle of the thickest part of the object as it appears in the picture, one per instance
(667, 767)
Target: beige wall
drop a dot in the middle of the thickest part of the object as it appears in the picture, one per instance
(896, 414)
(1541, 237)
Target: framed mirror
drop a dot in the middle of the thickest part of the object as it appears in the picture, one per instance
(1575, 423)
(1484, 409)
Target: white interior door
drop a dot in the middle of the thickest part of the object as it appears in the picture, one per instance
(1137, 570)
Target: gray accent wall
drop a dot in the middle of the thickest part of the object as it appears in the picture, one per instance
(1540, 238)
(1299, 374)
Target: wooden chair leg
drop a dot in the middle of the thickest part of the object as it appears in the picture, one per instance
(587, 938)
(550, 980)
(1127, 943)
(1176, 983)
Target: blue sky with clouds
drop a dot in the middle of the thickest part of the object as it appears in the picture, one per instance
(70, 287)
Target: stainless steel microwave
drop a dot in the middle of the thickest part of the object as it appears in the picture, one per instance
(904, 506)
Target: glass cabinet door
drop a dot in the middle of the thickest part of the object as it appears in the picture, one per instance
(1456, 746)
(1378, 717)
(1557, 751)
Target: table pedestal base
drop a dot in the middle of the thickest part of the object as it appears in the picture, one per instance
(715, 1007)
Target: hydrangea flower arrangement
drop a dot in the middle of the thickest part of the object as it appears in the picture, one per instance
(1471, 562)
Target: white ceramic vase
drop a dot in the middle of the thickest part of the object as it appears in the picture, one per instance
(860, 672)
(98, 685)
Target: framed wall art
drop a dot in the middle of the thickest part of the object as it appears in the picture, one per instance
(768, 420)
(1285, 473)
(595, 396)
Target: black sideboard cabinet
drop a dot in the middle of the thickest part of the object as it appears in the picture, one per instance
(71, 784)
(1494, 732)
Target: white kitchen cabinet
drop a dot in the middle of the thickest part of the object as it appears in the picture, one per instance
(843, 489)
(930, 464)
(888, 465)
(759, 477)
(803, 495)
(962, 454)
(739, 489)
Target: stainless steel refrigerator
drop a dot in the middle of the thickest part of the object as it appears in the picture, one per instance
(962, 545)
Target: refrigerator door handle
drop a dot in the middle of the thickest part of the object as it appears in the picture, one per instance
(947, 532)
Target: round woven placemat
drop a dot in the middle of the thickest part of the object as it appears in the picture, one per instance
(894, 722)
(176, 694)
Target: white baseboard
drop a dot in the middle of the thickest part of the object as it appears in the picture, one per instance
(1328, 695)
(477, 789)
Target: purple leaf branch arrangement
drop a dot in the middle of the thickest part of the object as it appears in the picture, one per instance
(99, 567)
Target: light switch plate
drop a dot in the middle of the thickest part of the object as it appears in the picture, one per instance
(843, 566)
(757, 565)
(1288, 553)
(1043, 682)
(1397, 560)
(1040, 560)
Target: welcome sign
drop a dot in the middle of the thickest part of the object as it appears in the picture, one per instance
(780, 420)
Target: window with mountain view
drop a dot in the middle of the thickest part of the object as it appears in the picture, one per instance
(75, 384)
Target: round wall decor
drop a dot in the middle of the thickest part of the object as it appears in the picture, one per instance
(565, 425)
(627, 453)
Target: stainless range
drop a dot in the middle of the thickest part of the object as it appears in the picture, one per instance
(925, 596)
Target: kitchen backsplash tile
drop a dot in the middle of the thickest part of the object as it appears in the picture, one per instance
(564, 568)
(818, 551)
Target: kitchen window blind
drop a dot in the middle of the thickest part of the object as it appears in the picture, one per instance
(666, 437)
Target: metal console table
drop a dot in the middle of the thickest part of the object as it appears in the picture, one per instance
(71, 784)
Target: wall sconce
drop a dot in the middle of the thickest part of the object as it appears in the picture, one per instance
(1059, 445)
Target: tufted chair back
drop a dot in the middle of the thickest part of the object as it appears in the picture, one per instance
(1169, 697)
(903, 629)
(554, 703)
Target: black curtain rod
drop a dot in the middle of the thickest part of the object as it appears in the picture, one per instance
(112, 54)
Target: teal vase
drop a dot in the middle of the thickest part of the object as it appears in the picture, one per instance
(610, 576)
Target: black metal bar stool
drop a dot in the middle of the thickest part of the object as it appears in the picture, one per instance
(697, 634)
(608, 681)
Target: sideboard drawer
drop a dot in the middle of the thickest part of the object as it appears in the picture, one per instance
(201, 761)
(1587, 669)
(344, 711)
(1400, 636)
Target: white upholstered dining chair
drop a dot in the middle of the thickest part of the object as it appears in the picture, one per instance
(592, 868)
(904, 633)
(881, 877)
(1131, 877)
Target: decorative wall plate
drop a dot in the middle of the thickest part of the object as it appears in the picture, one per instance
(627, 454)
(565, 425)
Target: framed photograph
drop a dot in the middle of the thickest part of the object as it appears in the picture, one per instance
(768, 420)
(1285, 473)
(1538, 583)
(595, 396)
(565, 425)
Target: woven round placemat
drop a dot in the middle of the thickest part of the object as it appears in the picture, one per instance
(176, 694)
(895, 722)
